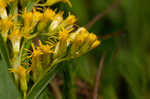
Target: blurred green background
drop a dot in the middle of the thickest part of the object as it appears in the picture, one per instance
(125, 35)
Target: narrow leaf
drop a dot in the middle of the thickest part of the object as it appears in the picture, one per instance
(8, 88)
(43, 82)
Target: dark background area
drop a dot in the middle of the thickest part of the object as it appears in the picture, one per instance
(124, 29)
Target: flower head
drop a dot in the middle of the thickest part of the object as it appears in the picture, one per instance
(48, 15)
(30, 20)
(46, 49)
(36, 16)
(95, 44)
(28, 17)
(5, 25)
(22, 74)
(56, 21)
(3, 3)
(15, 37)
(36, 51)
(70, 20)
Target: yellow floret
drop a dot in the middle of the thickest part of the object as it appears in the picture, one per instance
(48, 15)
(46, 49)
(95, 44)
(15, 38)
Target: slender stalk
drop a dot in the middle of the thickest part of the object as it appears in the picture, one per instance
(95, 93)
(69, 90)
(56, 90)
(101, 15)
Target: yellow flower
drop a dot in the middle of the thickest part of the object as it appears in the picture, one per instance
(91, 38)
(82, 41)
(28, 17)
(61, 46)
(56, 21)
(63, 35)
(48, 15)
(36, 65)
(36, 52)
(40, 50)
(22, 73)
(5, 25)
(30, 20)
(70, 20)
(3, 3)
(76, 44)
(36, 16)
(46, 49)
(81, 30)
(78, 41)
(15, 38)
(95, 44)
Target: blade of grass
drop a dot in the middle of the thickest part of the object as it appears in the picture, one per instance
(8, 88)
(4, 52)
(41, 84)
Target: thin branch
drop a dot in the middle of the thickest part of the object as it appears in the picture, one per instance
(56, 90)
(111, 35)
(101, 15)
(98, 76)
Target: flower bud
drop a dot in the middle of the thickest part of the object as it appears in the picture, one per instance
(70, 20)
(30, 20)
(76, 44)
(5, 26)
(36, 63)
(15, 38)
(79, 31)
(56, 21)
(62, 45)
(91, 38)
(22, 73)
(47, 17)
(95, 44)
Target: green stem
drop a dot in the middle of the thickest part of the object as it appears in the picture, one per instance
(24, 95)
(15, 64)
(68, 91)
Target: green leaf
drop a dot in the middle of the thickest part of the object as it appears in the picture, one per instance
(8, 88)
(4, 53)
(42, 83)
(131, 70)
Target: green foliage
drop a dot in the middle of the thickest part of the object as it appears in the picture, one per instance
(7, 86)
(125, 39)
(41, 84)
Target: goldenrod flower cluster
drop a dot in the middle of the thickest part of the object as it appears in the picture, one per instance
(54, 38)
